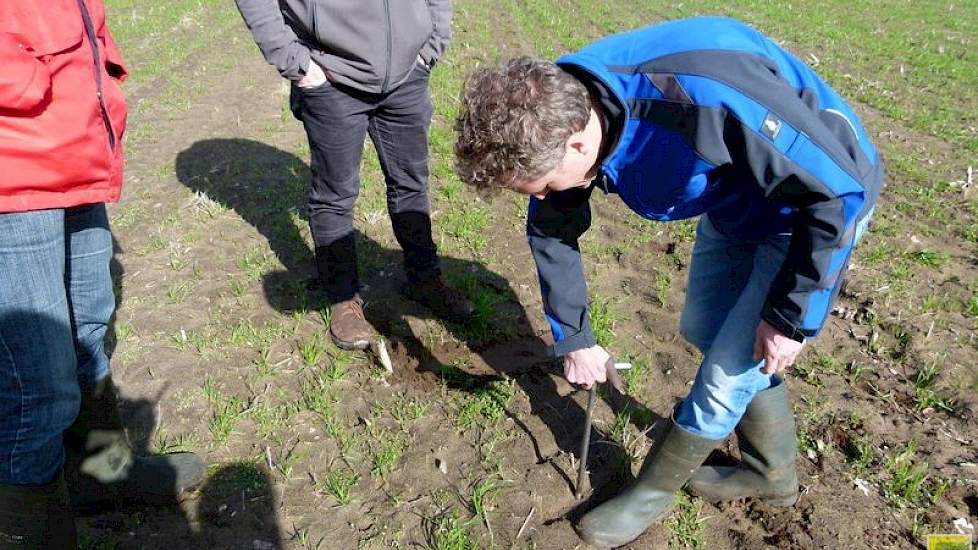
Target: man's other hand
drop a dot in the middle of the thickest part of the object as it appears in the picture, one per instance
(315, 76)
(586, 366)
(777, 350)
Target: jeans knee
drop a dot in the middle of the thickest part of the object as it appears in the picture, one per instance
(719, 397)
(704, 418)
(712, 416)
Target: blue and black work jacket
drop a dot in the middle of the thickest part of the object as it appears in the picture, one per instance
(708, 116)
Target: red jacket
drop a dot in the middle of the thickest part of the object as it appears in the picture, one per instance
(60, 135)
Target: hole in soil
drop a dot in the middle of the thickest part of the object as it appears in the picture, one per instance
(972, 502)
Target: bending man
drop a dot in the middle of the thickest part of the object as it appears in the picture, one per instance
(701, 117)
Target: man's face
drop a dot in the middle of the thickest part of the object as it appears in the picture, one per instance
(576, 169)
(565, 176)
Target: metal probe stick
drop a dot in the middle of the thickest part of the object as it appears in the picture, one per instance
(611, 371)
(592, 396)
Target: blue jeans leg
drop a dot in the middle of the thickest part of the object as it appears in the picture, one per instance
(88, 279)
(48, 269)
(728, 284)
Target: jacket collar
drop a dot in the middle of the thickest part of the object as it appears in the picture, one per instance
(595, 75)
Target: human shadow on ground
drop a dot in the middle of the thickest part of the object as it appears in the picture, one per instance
(267, 187)
(234, 508)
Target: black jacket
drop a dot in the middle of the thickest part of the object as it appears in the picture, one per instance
(370, 45)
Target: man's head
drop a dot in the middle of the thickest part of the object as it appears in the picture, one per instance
(526, 125)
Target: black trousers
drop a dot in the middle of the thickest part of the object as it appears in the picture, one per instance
(337, 119)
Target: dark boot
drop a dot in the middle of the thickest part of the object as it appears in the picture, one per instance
(348, 327)
(649, 499)
(425, 284)
(336, 265)
(768, 444)
(36, 518)
(103, 470)
(444, 301)
(413, 232)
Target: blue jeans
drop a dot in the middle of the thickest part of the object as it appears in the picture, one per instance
(56, 301)
(729, 280)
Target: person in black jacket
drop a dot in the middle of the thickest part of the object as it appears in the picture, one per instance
(359, 67)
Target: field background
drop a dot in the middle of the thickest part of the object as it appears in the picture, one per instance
(219, 342)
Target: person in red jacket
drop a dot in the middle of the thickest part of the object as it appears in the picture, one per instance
(62, 118)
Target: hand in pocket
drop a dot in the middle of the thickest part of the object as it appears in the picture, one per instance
(315, 76)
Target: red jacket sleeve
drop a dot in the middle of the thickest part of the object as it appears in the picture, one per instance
(25, 82)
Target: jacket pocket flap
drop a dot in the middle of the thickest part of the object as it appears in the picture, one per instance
(47, 27)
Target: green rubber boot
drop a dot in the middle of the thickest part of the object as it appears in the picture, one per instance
(649, 499)
(102, 469)
(768, 444)
(36, 518)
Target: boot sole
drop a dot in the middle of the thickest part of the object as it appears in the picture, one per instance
(603, 544)
(356, 345)
(775, 501)
(781, 502)
(598, 543)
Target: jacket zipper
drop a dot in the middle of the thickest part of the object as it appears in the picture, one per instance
(387, 72)
(93, 41)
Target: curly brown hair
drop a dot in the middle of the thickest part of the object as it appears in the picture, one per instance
(515, 120)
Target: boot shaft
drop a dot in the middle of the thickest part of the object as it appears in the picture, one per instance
(36, 518)
(766, 435)
(666, 469)
(768, 445)
(674, 459)
(336, 264)
(96, 444)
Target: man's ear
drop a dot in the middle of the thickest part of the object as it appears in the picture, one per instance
(576, 144)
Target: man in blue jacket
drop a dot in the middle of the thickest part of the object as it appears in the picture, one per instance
(694, 117)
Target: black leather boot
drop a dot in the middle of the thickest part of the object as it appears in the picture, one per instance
(768, 445)
(101, 467)
(36, 518)
(336, 265)
(413, 232)
(649, 499)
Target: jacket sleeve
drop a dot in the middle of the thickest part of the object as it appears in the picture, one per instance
(441, 21)
(553, 227)
(829, 202)
(822, 240)
(276, 40)
(25, 82)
